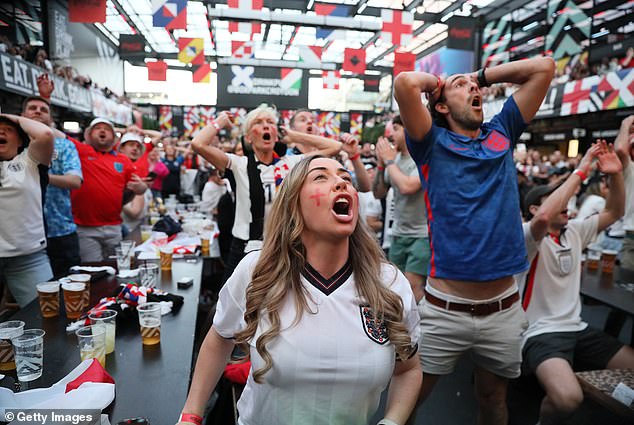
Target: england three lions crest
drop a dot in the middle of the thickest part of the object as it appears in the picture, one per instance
(374, 328)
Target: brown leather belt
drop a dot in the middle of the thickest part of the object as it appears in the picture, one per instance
(482, 309)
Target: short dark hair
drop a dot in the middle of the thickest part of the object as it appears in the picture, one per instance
(30, 98)
(436, 116)
(300, 110)
(397, 120)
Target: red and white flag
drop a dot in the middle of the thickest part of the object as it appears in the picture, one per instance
(397, 26)
(242, 49)
(331, 79)
(245, 27)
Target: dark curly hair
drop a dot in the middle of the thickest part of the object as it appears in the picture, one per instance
(438, 118)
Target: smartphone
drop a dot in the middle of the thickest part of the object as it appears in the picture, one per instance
(185, 282)
(151, 175)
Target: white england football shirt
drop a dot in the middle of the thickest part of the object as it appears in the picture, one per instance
(550, 288)
(329, 368)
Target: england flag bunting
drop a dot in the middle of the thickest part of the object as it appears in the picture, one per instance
(330, 79)
(310, 55)
(242, 49)
(245, 27)
(397, 26)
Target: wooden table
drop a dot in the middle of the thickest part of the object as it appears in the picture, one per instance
(607, 288)
(599, 385)
(151, 382)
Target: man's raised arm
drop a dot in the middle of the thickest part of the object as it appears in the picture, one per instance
(408, 87)
(534, 77)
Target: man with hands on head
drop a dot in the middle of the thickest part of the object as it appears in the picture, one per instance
(26, 148)
(409, 249)
(64, 175)
(470, 183)
(557, 342)
(258, 174)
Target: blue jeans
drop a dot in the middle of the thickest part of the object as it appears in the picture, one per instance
(23, 273)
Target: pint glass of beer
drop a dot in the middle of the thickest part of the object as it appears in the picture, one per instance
(150, 322)
(73, 299)
(9, 330)
(48, 293)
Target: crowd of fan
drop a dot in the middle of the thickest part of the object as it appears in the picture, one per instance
(39, 57)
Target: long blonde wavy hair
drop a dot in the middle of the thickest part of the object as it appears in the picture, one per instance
(283, 257)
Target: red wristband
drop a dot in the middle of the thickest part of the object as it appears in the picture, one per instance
(189, 417)
(378, 167)
(581, 174)
(355, 156)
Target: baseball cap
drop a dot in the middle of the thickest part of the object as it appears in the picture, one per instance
(132, 137)
(534, 196)
(99, 121)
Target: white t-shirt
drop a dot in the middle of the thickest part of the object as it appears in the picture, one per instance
(22, 222)
(369, 206)
(133, 223)
(211, 195)
(271, 176)
(327, 368)
(550, 288)
(591, 205)
(628, 218)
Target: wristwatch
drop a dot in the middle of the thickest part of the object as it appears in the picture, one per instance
(389, 162)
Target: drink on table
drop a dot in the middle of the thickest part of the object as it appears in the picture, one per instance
(146, 232)
(29, 354)
(593, 257)
(108, 320)
(608, 258)
(85, 296)
(166, 253)
(9, 330)
(149, 274)
(150, 323)
(204, 244)
(73, 299)
(48, 293)
(92, 343)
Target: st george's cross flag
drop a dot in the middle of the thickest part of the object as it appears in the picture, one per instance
(245, 27)
(397, 26)
(330, 79)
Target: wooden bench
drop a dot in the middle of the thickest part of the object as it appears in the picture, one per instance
(598, 385)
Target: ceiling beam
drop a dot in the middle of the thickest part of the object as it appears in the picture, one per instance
(290, 40)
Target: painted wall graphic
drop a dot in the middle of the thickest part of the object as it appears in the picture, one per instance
(329, 123)
(446, 61)
(165, 118)
(570, 22)
(495, 41)
(195, 118)
(356, 124)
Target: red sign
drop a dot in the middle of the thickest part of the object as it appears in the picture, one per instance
(157, 71)
(403, 62)
(354, 61)
(87, 11)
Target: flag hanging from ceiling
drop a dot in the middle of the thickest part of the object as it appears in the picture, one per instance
(191, 50)
(403, 62)
(201, 73)
(165, 117)
(156, 71)
(310, 55)
(87, 11)
(171, 14)
(329, 9)
(354, 61)
(397, 26)
(330, 79)
(245, 27)
(241, 49)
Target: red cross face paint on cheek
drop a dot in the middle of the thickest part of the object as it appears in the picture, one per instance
(317, 196)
